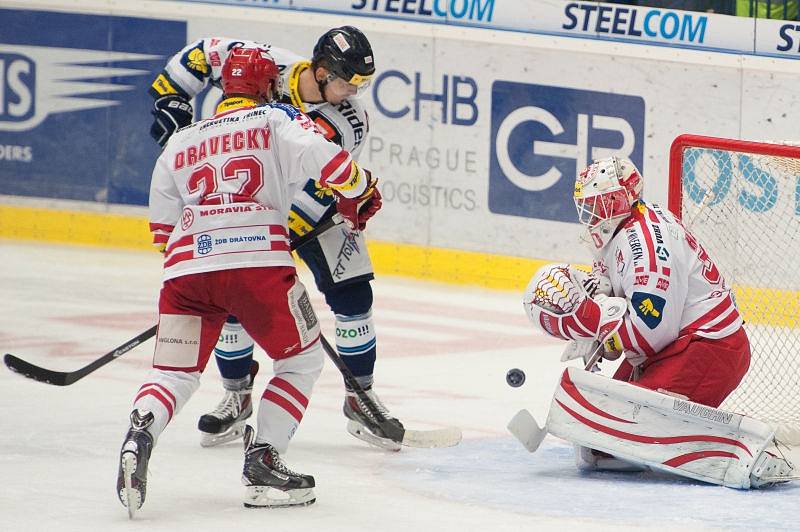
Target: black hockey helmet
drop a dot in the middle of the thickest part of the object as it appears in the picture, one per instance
(346, 53)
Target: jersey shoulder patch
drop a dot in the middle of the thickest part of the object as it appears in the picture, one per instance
(195, 62)
(291, 111)
(649, 308)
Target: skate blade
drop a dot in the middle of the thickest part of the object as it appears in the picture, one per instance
(234, 432)
(131, 498)
(429, 439)
(362, 433)
(268, 497)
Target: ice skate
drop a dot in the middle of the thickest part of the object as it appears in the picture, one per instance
(363, 425)
(226, 422)
(135, 453)
(270, 483)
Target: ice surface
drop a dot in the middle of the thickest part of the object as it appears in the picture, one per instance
(443, 355)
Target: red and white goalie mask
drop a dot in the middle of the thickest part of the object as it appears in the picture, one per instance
(605, 192)
(557, 302)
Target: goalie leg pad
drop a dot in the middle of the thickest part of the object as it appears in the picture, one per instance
(664, 432)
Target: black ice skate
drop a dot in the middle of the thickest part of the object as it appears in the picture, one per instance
(362, 423)
(133, 458)
(270, 484)
(226, 422)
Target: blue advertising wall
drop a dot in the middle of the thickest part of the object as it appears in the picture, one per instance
(477, 130)
(74, 109)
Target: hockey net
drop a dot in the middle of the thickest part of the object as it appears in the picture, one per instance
(742, 201)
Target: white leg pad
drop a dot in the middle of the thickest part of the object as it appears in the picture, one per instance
(661, 431)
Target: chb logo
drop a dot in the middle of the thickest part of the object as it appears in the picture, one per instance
(542, 136)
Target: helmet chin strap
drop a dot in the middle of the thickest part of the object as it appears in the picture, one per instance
(322, 83)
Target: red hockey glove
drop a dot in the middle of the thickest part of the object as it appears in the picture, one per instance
(356, 211)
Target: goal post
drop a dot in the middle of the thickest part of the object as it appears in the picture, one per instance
(741, 199)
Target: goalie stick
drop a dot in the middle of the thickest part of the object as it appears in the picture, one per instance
(524, 426)
(393, 428)
(65, 378)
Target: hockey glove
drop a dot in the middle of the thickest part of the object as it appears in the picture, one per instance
(356, 211)
(171, 113)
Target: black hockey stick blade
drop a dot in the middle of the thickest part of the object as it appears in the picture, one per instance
(65, 378)
(393, 428)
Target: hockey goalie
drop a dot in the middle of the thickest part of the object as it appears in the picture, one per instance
(655, 297)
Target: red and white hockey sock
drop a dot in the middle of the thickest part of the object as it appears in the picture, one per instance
(284, 402)
(164, 393)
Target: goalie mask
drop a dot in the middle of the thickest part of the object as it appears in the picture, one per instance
(605, 192)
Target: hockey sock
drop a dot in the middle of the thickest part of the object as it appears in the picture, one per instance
(356, 343)
(285, 400)
(164, 393)
(234, 353)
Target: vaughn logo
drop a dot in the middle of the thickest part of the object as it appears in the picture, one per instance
(706, 412)
(37, 81)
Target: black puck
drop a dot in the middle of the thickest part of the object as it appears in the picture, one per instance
(515, 377)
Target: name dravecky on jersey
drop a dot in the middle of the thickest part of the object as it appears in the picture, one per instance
(250, 139)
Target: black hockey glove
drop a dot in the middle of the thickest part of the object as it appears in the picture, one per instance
(171, 113)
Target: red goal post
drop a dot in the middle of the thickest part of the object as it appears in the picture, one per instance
(741, 199)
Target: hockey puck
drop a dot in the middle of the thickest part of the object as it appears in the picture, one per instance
(515, 377)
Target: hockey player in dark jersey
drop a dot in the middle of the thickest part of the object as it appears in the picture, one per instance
(324, 88)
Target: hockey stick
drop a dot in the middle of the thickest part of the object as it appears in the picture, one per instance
(65, 378)
(524, 426)
(392, 428)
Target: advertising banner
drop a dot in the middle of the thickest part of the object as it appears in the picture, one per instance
(586, 20)
(74, 109)
(476, 136)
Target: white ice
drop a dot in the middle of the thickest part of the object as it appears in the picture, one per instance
(443, 355)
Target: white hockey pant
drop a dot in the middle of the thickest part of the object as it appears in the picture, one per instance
(660, 431)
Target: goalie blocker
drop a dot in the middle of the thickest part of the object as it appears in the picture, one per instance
(664, 432)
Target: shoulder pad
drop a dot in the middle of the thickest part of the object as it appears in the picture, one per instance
(290, 110)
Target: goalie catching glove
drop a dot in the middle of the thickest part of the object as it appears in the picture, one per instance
(170, 113)
(573, 305)
(356, 211)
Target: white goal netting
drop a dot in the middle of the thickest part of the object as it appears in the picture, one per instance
(742, 201)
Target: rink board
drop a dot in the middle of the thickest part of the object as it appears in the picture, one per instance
(475, 133)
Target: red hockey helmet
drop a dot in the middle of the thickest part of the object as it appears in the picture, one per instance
(251, 72)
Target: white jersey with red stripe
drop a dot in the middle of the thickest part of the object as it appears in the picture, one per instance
(222, 188)
(199, 64)
(672, 286)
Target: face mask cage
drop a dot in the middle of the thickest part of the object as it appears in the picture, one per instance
(594, 210)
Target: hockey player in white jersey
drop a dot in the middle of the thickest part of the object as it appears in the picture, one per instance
(324, 88)
(219, 201)
(656, 297)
